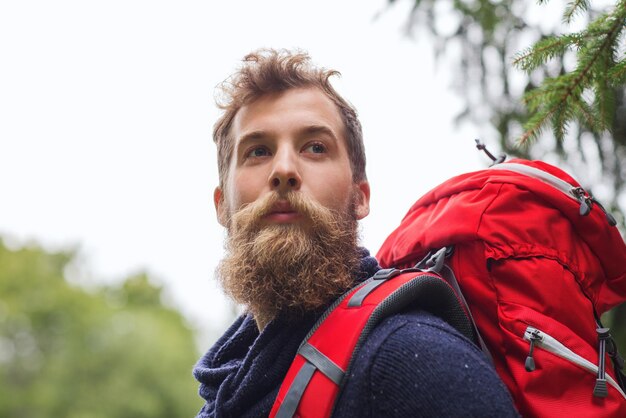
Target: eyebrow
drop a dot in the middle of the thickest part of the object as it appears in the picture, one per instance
(306, 131)
(318, 129)
(252, 136)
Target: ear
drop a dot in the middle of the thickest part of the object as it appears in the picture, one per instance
(362, 201)
(220, 206)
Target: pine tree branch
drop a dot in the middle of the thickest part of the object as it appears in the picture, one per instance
(559, 122)
(586, 114)
(617, 74)
(578, 81)
(534, 125)
(604, 103)
(532, 98)
(573, 8)
(544, 50)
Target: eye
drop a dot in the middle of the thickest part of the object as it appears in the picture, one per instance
(257, 151)
(315, 148)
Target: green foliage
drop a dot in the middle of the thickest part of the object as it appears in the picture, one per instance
(560, 100)
(574, 8)
(617, 74)
(66, 352)
(520, 76)
(545, 50)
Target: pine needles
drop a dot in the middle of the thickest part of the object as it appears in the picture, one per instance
(586, 94)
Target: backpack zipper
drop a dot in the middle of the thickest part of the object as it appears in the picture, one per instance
(579, 194)
(538, 338)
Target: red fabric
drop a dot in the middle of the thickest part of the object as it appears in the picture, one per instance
(525, 256)
(336, 338)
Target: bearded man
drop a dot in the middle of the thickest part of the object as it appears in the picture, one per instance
(292, 189)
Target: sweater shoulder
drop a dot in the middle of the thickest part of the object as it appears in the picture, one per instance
(416, 364)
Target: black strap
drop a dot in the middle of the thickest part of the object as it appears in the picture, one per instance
(323, 363)
(448, 275)
(294, 394)
(435, 261)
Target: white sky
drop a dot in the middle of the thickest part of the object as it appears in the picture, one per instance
(106, 111)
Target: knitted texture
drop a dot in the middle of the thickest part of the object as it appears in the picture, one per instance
(416, 365)
(411, 365)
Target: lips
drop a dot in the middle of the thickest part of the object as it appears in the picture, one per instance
(282, 212)
(282, 207)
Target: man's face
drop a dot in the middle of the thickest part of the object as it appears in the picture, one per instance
(290, 206)
(293, 141)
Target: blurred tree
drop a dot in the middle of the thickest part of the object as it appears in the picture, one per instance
(68, 352)
(518, 71)
(520, 68)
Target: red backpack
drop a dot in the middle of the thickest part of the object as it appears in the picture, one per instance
(534, 261)
(538, 260)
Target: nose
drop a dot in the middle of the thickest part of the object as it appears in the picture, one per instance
(285, 175)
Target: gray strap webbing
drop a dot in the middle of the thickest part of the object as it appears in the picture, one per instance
(294, 394)
(379, 278)
(323, 363)
(357, 299)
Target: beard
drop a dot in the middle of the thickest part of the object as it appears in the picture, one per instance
(289, 268)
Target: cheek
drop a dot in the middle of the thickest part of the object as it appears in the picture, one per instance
(244, 189)
(337, 191)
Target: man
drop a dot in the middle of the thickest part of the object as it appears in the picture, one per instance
(292, 188)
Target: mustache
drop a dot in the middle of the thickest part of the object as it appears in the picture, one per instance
(252, 213)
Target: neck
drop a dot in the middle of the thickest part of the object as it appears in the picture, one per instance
(261, 321)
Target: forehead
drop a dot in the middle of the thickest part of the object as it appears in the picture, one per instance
(283, 110)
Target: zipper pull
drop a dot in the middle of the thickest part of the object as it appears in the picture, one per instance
(586, 203)
(600, 390)
(529, 365)
(584, 199)
(610, 219)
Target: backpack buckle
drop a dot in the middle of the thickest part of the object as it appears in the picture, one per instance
(434, 261)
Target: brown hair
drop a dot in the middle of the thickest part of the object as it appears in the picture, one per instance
(270, 71)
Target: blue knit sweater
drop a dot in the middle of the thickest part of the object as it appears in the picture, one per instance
(411, 365)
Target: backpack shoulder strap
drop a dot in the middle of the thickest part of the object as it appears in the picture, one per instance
(318, 371)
